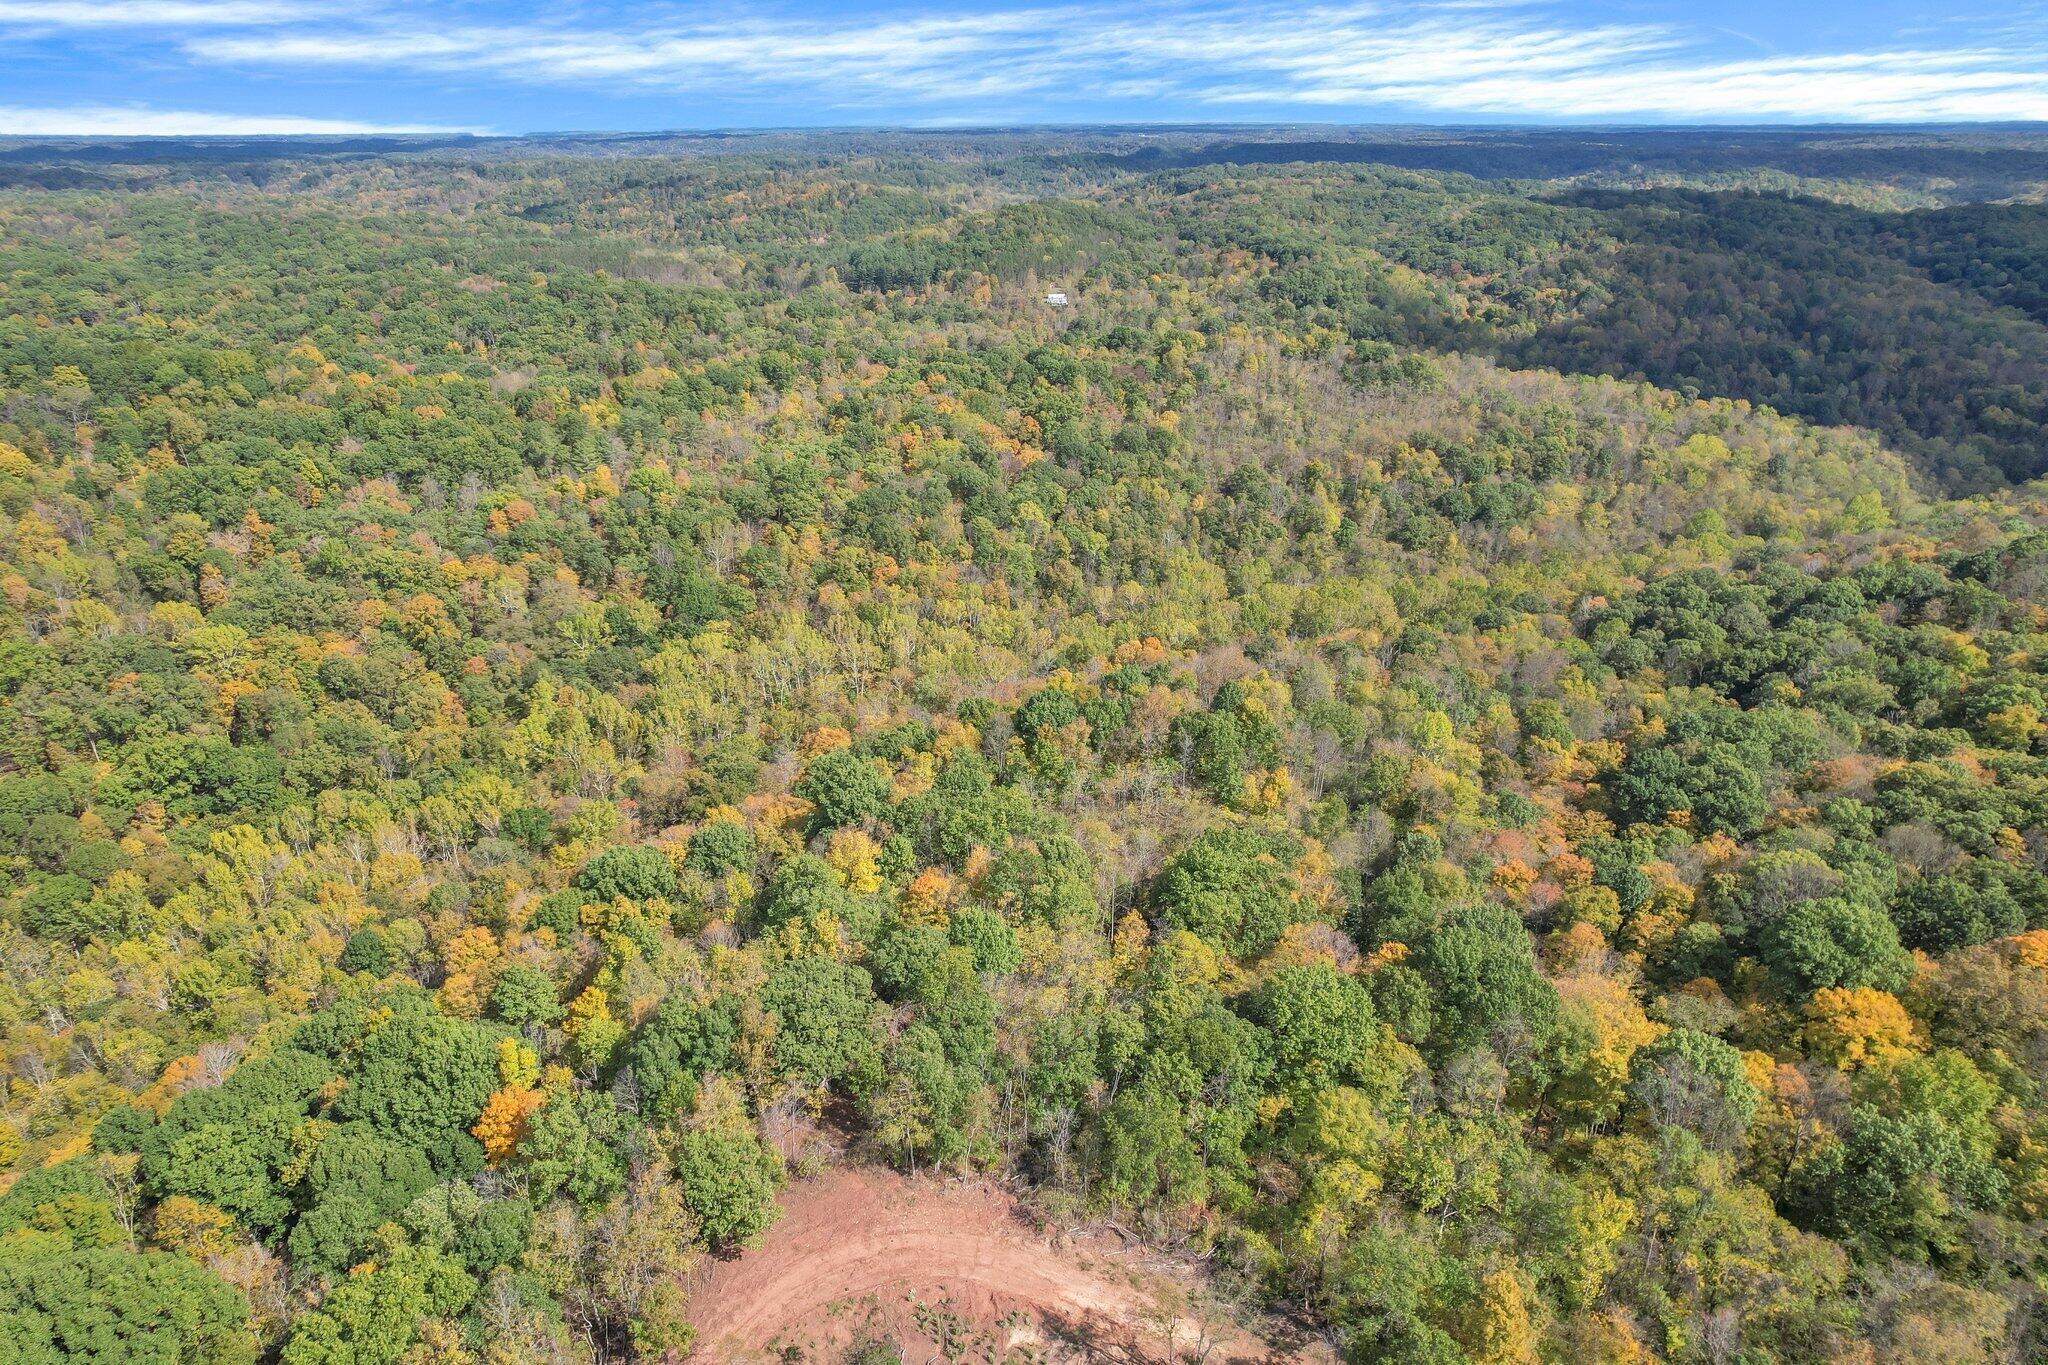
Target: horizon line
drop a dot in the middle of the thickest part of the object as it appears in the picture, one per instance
(1000, 129)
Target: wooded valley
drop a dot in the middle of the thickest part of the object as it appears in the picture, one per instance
(1458, 733)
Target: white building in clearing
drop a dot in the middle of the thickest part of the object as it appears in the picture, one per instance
(1056, 299)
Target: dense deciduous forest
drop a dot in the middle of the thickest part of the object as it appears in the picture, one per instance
(1471, 750)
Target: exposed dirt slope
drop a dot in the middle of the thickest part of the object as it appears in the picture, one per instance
(856, 1248)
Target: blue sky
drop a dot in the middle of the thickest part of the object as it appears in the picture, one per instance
(188, 67)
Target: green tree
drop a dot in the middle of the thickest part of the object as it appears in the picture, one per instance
(1898, 1186)
(1483, 978)
(987, 937)
(114, 1307)
(678, 1045)
(356, 1179)
(1838, 941)
(1322, 1025)
(921, 1111)
(720, 847)
(423, 1078)
(572, 1146)
(826, 1026)
(1941, 913)
(634, 872)
(1694, 1081)
(1716, 784)
(1230, 887)
(367, 950)
(374, 1317)
(845, 787)
(524, 997)
(727, 1175)
(1147, 1153)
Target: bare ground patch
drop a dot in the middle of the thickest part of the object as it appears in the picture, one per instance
(859, 1249)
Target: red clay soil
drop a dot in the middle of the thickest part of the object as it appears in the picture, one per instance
(857, 1248)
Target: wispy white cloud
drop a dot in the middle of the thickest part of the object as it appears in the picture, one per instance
(1477, 57)
(1311, 55)
(102, 120)
(934, 56)
(1903, 86)
(153, 14)
(945, 57)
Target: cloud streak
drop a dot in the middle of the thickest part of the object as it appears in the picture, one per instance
(151, 14)
(1885, 86)
(106, 120)
(1487, 58)
(931, 57)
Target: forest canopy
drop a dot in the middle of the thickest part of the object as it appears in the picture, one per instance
(1470, 751)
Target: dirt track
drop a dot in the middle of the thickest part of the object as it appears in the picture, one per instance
(855, 1247)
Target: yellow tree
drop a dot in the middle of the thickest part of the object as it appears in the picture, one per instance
(1859, 1027)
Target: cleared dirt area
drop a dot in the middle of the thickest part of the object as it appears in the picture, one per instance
(857, 1250)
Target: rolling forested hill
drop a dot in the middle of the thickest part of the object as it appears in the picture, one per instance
(1468, 750)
